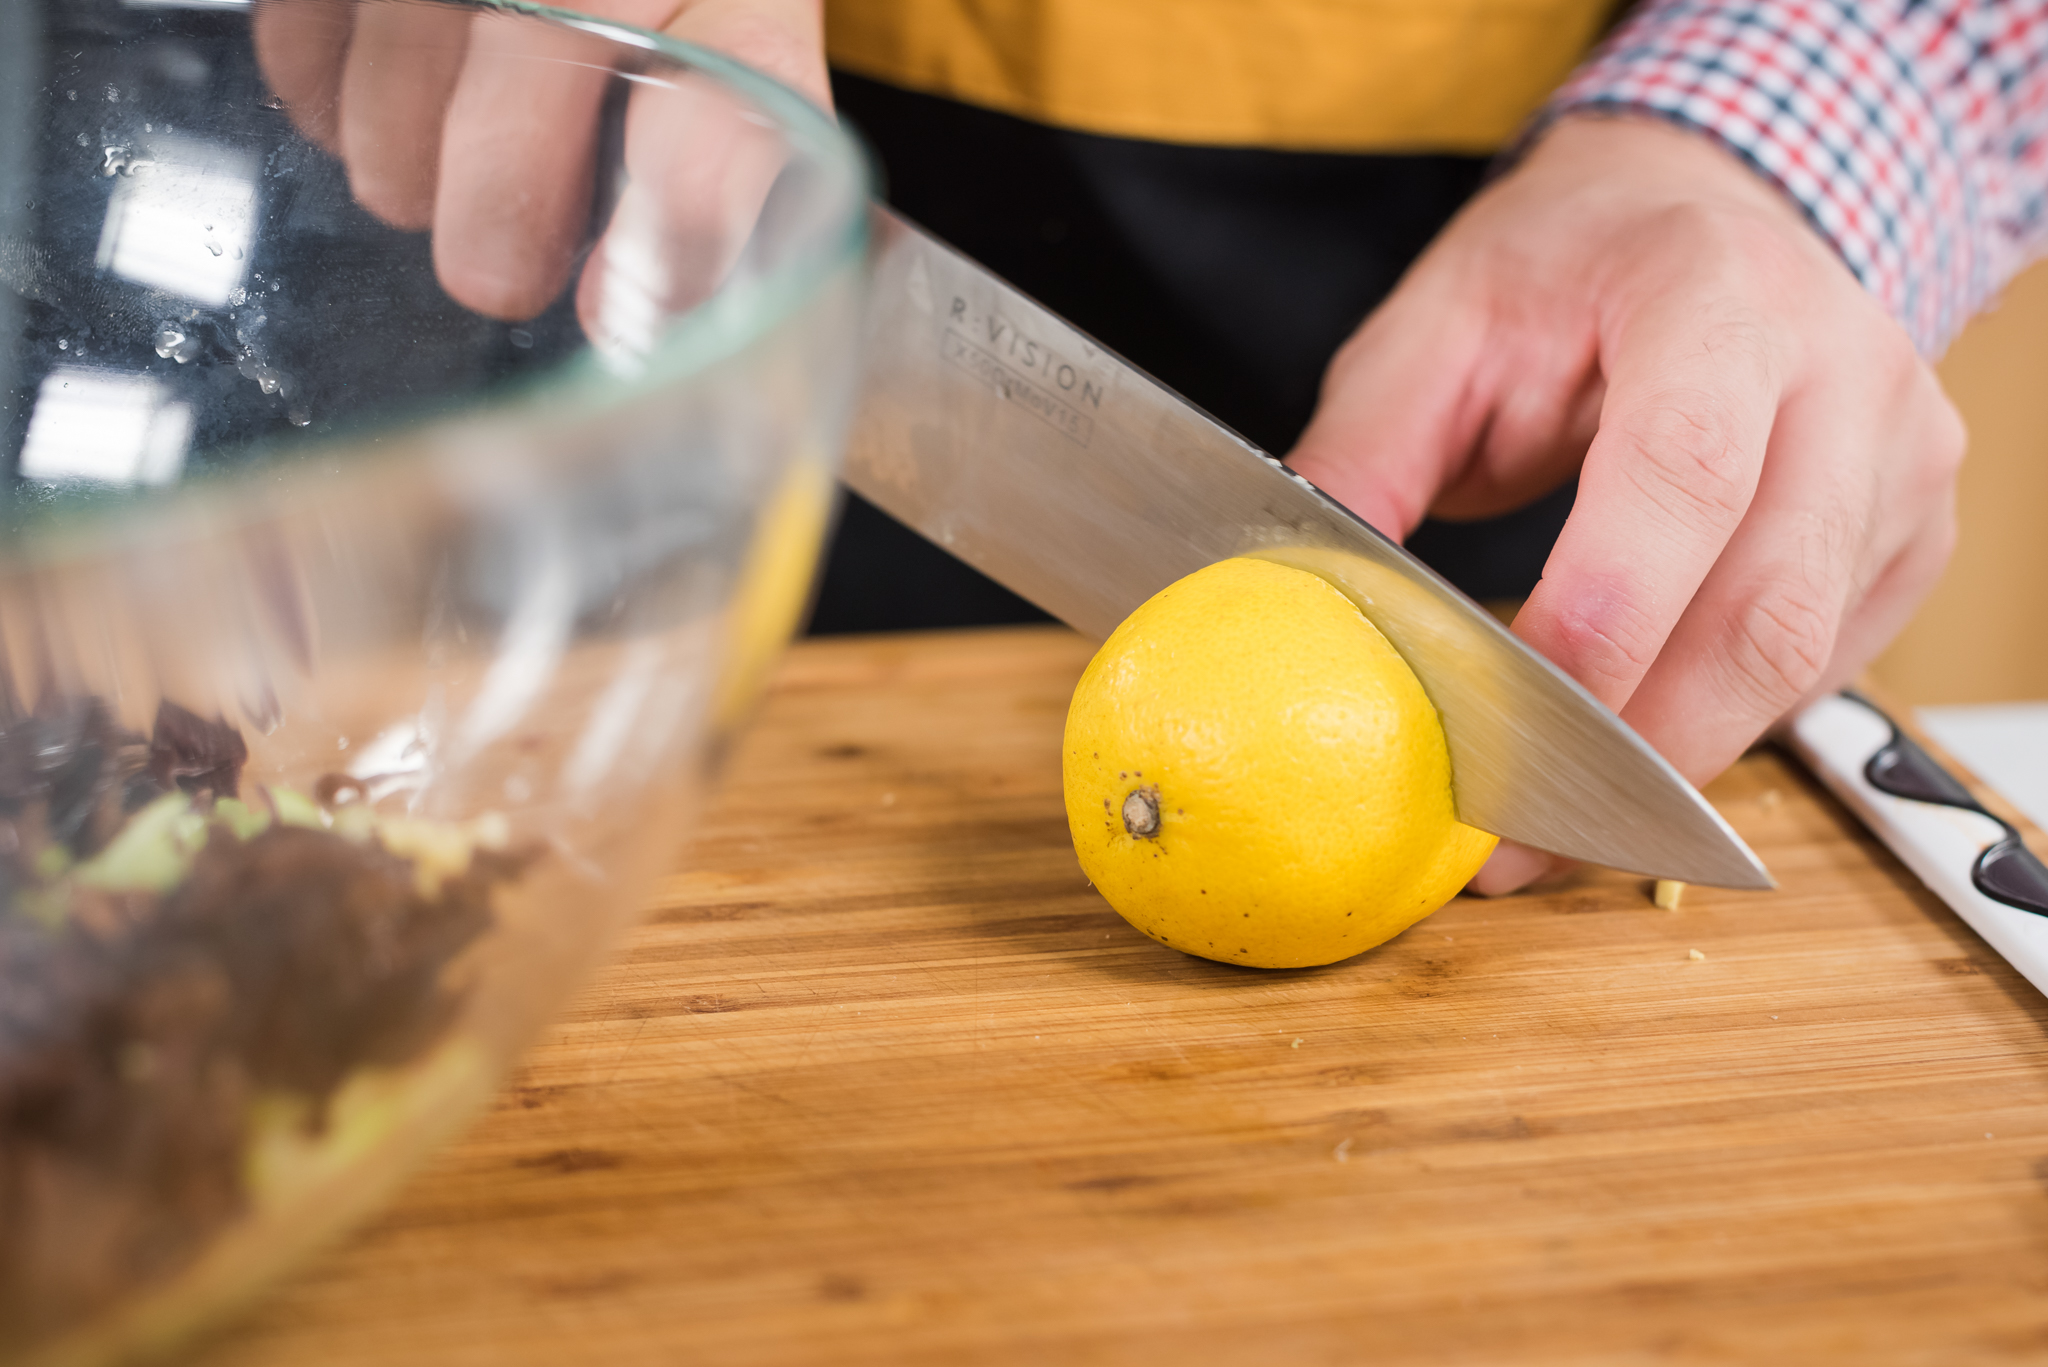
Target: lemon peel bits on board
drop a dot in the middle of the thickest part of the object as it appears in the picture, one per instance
(1254, 775)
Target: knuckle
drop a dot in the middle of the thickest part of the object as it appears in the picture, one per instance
(1927, 554)
(1926, 455)
(1949, 440)
(1736, 252)
(1606, 641)
(1783, 638)
(1687, 458)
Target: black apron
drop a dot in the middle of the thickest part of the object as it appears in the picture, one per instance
(1230, 274)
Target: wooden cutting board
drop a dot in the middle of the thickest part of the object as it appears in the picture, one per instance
(882, 1081)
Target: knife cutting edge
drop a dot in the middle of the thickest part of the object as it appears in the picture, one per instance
(1003, 434)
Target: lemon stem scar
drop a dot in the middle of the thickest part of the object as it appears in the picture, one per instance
(1141, 811)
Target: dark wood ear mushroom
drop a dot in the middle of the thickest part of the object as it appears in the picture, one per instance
(1141, 811)
(189, 752)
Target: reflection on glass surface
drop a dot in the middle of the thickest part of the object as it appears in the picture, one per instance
(107, 426)
(182, 217)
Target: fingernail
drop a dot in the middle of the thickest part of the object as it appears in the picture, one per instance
(1510, 868)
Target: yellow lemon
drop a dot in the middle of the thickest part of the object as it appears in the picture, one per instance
(774, 585)
(1253, 774)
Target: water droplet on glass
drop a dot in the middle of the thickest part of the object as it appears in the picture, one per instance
(114, 160)
(300, 415)
(173, 344)
(209, 227)
(273, 102)
(149, 128)
(63, 344)
(521, 338)
(238, 253)
(238, 296)
(267, 381)
(71, 94)
(214, 247)
(113, 95)
(84, 141)
(341, 744)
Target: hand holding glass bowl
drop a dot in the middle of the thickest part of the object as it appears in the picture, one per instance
(373, 601)
(506, 185)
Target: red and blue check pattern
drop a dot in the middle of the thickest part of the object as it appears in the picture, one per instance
(1914, 133)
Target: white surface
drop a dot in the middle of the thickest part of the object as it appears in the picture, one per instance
(1836, 738)
(2005, 744)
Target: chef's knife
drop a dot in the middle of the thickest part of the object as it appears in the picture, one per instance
(1054, 467)
(1971, 859)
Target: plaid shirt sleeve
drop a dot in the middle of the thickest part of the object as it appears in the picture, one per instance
(1914, 133)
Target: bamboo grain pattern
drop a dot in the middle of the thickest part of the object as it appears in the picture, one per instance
(881, 1080)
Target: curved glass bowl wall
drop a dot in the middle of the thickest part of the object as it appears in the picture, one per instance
(418, 423)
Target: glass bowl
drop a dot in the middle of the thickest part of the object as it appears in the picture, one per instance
(420, 421)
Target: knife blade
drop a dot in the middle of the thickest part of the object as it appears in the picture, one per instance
(1041, 458)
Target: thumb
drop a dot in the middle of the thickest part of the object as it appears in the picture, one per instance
(1400, 408)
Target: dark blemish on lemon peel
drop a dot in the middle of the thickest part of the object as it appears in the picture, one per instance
(1141, 811)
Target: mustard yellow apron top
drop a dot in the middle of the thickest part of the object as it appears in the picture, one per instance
(1385, 76)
